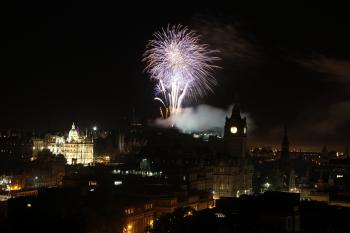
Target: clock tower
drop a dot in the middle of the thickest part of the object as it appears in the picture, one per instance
(235, 134)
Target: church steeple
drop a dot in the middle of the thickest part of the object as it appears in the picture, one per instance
(285, 163)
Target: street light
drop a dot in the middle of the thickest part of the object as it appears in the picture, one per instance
(267, 185)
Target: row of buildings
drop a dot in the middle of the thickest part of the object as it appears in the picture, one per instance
(166, 180)
(228, 174)
(166, 170)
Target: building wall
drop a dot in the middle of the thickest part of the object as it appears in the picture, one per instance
(236, 146)
(232, 180)
(78, 153)
(74, 152)
(38, 145)
(139, 219)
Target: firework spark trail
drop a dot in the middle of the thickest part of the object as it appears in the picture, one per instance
(181, 65)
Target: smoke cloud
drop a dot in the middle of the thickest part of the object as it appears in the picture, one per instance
(201, 118)
(333, 68)
(227, 37)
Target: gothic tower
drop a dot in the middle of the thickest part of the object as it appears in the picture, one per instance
(235, 134)
(285, 163)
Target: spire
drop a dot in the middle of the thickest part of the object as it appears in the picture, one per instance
(73, 126)
(236, 111)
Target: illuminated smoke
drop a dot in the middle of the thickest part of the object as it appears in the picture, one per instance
(201, 119)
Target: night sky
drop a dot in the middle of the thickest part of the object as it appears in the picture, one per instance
(82, 62)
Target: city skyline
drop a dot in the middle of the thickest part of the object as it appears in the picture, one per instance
(171, 117)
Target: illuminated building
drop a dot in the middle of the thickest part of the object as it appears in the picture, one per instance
(139, 217)
(76, 148)
(38, 145)
(232, 179)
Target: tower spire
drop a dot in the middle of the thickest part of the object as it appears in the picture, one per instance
(236, 111)
(286, 167)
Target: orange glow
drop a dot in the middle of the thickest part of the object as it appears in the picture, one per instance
(189, 213)
(15, 187)
(103, 159)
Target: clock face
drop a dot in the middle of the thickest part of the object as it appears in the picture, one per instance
(245, 130)
(234, 129)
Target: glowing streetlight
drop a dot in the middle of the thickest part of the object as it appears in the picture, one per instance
(267, 185)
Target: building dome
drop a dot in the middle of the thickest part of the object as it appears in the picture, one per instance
(73, 134)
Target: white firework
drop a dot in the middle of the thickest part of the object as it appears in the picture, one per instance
(181, 66)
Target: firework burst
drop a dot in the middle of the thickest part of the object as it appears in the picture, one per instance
(181, 66)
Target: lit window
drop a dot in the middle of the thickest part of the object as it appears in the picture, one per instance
(220, 215)
(148, 206)
(129, 211)
(117, 182)
(92, 183)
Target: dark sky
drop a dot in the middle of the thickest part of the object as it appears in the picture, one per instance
(82, 62)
